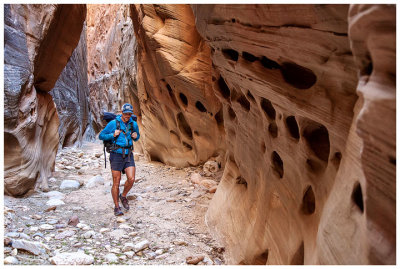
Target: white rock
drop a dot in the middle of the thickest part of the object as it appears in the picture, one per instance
(18, 235)
(121, 220)
(128, 247)
(195, 178)
(65, 234)
(52, 180)
(32, 247)
(88, 234)
(11, 260)
(129, 254)
(103, 230)
(69, 184)
(72, 258)
(210, 167)
(111, 257)
(94, 181)
(125, 226)
(46, 227)
(159, 251)
(54, 195)
(54, 202)
(117, 234)
(34, 229)
(141, 245)
(151, 255)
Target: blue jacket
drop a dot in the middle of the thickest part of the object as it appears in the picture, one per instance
(123, 140)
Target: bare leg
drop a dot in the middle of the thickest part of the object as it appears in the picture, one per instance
(115, 187)
(130, 175)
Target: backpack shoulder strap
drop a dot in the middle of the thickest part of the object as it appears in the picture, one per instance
(118, 124)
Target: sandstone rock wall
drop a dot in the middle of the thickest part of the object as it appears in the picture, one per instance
(71, 95)
(38, 41)
(111, 46)
(182, 119)
(296, 189)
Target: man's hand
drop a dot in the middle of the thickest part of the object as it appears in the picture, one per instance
(117, 132)
(134, 135)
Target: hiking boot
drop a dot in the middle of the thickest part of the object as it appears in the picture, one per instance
(124, 202)
(117, 211)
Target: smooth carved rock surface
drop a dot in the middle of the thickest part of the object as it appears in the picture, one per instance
(38, 41)
(182, 118)
(111, 61)
(296, 189)
(372, 32)
(71, 95)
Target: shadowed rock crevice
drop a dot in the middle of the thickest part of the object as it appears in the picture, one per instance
(357, 197)
(308, 205)
(268, 109)
(292, 126)
(298, 76)
(223, 88)
(277, 164)
(184, 126)
(231, 54)
(273, 129)
(317, 138)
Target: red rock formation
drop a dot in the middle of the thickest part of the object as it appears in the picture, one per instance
(372, 32)
(181, 117)
(39, 39)
(111, 48)
(71, 95)
(294, 190)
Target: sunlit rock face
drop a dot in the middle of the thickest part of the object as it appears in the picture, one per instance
(71, 96)
(300, 184)
(38, 42)
(372, 32)
(182, 119)
(111, 49)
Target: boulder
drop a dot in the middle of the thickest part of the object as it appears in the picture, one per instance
(95, 181)
(72, 258)
(35, 248)
(69, 184)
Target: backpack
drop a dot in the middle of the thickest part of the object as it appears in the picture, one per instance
(110, 145)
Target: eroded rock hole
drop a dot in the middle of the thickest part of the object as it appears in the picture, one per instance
(357, 197)
(313, 166)
(200, 107)
(219, 117)
(184, 126)
(298, 257)
(223, 88)
(171, 94)
(298, 76)
(308, 206)
(268, 63)
(292, 126)
(183, 99)
(337, 157)
(261, 259)
(110, 65)
(277, 164)
(249, 57)
(232, 114)
(155, 158)
(241, 180)
(242, 100)
(273, 129)
(187, 146)
(269, 110)
(263, 147)
(231, 54)
(317, 137)
(251, 97)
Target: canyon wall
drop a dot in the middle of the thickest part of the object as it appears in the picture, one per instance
(111, 48)
(310, 172)
(38, 42)
(71, 96)
(182, 119)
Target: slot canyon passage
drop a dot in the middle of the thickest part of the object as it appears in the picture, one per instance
(268, 133)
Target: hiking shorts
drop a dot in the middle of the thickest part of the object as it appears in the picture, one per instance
(119, 164)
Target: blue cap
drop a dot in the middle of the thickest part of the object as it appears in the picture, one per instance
(127, 108)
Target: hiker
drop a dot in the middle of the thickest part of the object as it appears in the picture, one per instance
(121, 130)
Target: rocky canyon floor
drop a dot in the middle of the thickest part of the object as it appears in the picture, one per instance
(165, 224)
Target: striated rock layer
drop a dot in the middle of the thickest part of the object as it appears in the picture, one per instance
(38, 41)
(71, 95)
(310, 172)
(111, 46)
(181, 117)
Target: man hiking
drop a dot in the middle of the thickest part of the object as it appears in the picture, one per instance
(121, 131)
